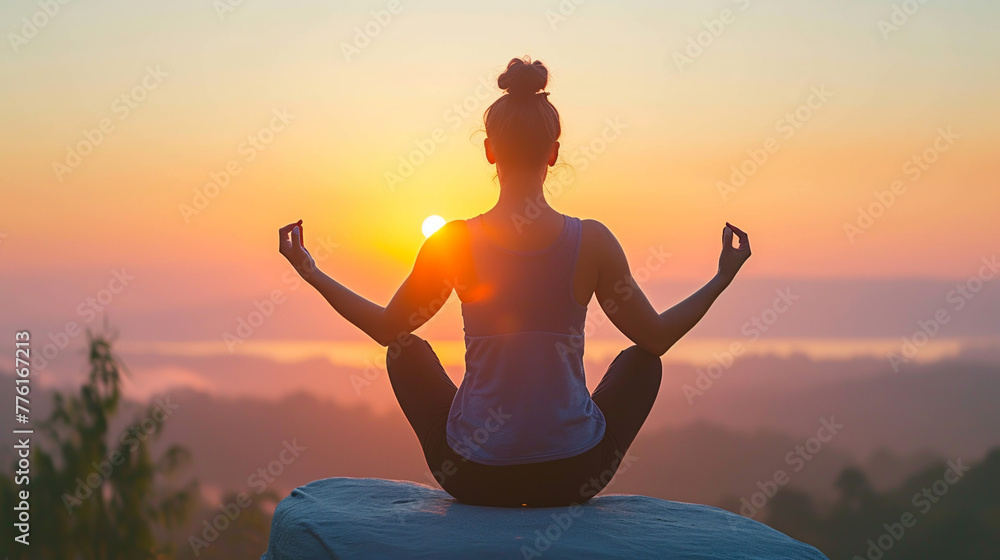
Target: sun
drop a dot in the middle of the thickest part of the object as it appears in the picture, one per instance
(431, 225)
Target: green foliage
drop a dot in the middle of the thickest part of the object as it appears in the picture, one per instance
(245, 537)
(932, 515)
(95, 497)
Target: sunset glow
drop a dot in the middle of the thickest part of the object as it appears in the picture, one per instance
(220, 279)
(431, 225)
(177, 161)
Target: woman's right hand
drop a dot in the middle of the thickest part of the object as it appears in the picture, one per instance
(290, 246)
(732, 258)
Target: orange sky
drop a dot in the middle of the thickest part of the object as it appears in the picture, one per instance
(212, 81)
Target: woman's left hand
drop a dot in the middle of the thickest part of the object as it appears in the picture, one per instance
(732, 258)
(290, 246)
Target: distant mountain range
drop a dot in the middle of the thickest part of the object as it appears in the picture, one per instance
(748, 425)
(948, 406)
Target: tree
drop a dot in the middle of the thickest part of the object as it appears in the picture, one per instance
(792, 512)
(95, 498)
(856, 492)
(245, 537)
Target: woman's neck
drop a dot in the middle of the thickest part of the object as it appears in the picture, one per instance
(521, 193)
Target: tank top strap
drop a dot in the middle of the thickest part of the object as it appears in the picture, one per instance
(570, 232)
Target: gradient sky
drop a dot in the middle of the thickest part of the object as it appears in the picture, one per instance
(655, 185)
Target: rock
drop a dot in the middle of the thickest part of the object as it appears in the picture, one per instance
(372, 518)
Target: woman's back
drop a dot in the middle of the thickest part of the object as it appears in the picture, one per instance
(524, 396)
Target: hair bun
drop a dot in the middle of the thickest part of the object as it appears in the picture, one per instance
(523, 77)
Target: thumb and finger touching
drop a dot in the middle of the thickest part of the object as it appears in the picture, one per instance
(743, 237)
(727, 238)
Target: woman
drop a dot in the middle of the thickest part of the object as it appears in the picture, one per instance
(522, 429)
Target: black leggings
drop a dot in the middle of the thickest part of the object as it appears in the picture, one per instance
(425, 394)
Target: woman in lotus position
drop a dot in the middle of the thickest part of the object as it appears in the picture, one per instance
(522, 429)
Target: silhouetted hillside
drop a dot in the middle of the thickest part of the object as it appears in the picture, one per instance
(702, 461)
(946, 407)
(950, 510)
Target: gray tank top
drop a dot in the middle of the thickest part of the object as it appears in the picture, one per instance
(524, 398)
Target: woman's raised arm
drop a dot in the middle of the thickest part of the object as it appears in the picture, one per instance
(628, 308)
(420, 296)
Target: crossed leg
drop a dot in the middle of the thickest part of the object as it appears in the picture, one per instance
(425, 393)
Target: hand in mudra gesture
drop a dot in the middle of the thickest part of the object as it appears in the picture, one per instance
(290, 246)
(732, 258)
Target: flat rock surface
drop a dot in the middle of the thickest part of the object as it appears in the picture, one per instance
(373, 518)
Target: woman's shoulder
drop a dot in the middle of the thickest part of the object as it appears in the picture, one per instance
(450, 234)
(596, 231)
(448, 249)
(598, 244)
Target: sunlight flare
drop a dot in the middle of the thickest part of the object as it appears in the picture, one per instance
(431, 225)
